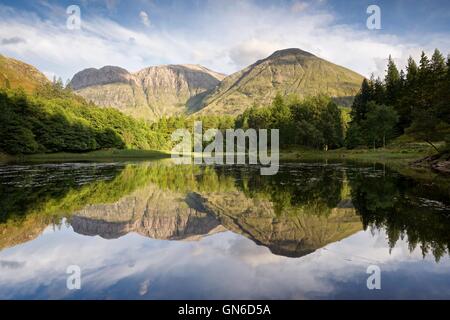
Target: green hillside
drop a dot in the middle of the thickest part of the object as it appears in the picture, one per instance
(16, 74)
(55, 120)
(287, 72)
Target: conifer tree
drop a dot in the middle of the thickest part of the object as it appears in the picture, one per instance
(359, 107)
(392, 82)
(379, 92)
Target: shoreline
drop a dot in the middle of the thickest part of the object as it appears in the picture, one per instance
(101, 155)
(289, 154)
(391, 157)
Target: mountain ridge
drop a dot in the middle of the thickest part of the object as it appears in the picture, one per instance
(149, 93)
(288, 71)
(169, 90)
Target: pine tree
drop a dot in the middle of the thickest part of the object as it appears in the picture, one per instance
(359, 107)
(408, 102)
(379, 92)
(443, 99)
(438, 68)
(411, 71)
(392, 82)
(424, 87)
(438, 73)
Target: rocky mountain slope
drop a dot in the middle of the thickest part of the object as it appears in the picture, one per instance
(183, 89)
(149, 93)
(289, 71)
(17, 74)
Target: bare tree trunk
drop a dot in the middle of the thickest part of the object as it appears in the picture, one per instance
(431, 144)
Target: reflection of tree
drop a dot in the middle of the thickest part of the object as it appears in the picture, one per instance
(316, 190)
(399, 206)
(33, 199)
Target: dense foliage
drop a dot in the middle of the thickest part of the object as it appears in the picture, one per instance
(167, 125)
(416, 102)
(53, 120)
(314, 122)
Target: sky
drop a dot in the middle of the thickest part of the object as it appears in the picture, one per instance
(223, 35)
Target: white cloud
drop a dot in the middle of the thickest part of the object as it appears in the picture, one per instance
(299, 6)
(144, 18)
(225, 37)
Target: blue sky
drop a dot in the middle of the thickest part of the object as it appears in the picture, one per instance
(224, 35)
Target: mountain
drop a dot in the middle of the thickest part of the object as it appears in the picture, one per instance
(149, 93)
(289, 71)
(15, 74)
(182, 89)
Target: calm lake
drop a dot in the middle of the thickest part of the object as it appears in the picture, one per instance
(153, 230)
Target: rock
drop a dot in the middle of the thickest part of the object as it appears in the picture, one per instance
(438, 162)
(149, 93)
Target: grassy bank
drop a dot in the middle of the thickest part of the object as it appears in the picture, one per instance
(395, 153)
(381, 156)
(102, 155)
(398, 156)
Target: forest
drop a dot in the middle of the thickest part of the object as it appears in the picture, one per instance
(414, 102)
(53, 119)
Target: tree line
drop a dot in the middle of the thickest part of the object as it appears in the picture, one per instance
(415, 102)
(53, 119)
(315, 122)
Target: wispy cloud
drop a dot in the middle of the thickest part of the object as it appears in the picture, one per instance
(144, 18)
(299, 6)
(13, 40)
(224, 36)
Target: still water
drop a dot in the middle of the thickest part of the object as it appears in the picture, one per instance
(159, 231)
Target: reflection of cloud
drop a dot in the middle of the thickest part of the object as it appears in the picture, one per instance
(254, 256)
(12, 264)
(143, 289)
(111, 4)
(224, 266)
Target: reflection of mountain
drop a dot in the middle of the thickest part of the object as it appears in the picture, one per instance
(161, 214)
(30, 228)
(293, 234)
(150, 212)
(302, 208)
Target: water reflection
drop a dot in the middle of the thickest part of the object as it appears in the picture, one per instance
(305, 211)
